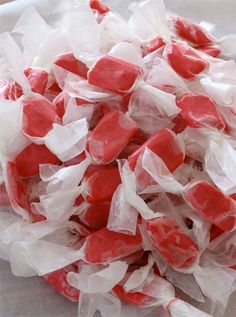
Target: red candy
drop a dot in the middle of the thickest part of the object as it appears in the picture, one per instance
(99, 6)
(165, 145)
(110, 137)
(16, 188)
(184, 60)
(15, 91)
(38, 79)
(153, 45)
(212, 204)
(4, 199)
(105, 246)
(28, 161)
(192, 32)
(101, 184)
(59, 282)
(38, 117)
(96, 215)
(71, 64)
(18, 193)
(215, 232)
(199, 110)
(133, 298)
(114, 74)
(213, 51)
(175, 246)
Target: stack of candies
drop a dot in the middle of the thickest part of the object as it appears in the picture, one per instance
(118, 160)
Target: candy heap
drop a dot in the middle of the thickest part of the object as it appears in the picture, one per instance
(118, 160)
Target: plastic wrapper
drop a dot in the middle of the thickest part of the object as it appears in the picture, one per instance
(117, 159)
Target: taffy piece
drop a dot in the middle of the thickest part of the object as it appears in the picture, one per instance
(212, 204)
(59, 104)
(16, 188)
(135, 259)
(105, 246)
(15, 91)
(95, 216)
(4, 199)
(54, 88)
(199, 110)
(192, 32)
(38, 79)
(175, 246)
(133, 298)
(180, 124)
(110, 137)
(101, 184)
(184, 60)
(58, 281)
(99, 6)
(18, 194)
(215, 232)
(153, 46)
(38, 117)
(211, 50)
(114, 74)
(70, 63)
(165, 144)
(28, 161)
(76, 160)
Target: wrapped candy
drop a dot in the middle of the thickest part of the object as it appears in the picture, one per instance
(192, 32)
(184, 60)
(166, 145)
(59, 282)
(68, 62)
(199, 110)
(113, 74)
(169, 240)
(100, 184)
(212, 204)
(117, 160)
(110, 137)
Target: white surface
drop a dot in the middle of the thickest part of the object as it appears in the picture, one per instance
(33, 297)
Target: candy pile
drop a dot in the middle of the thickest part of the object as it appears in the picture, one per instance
(118, 160)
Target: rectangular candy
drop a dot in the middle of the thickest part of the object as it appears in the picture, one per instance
(212, 204)
(113, 74)
(110, 137)
(165, 144)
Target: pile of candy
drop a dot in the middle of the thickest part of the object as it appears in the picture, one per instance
(118, 160)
